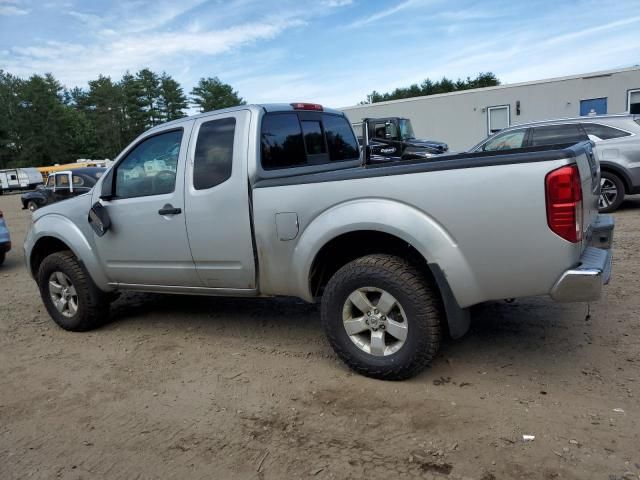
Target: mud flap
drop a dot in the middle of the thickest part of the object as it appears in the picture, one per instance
(458, 318)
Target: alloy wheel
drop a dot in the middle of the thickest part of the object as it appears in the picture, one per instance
(375, 321)
(608, 193)
(63, 294)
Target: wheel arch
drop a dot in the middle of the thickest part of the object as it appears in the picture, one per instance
(619, 171)
(368, 226)
(53, 233)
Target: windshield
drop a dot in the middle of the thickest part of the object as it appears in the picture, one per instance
(406, 130)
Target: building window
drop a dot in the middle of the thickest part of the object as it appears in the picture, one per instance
(633, 101)
(498, 118)
(593, 106)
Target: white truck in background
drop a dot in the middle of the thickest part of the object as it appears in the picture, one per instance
(19, 179)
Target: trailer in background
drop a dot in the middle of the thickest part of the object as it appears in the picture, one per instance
(14, 179)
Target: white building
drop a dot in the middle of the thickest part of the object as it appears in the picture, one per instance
(463, 118)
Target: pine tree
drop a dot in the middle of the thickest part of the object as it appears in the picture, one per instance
(133, 113)
(212, 94)
(149, 84)
(173, 101)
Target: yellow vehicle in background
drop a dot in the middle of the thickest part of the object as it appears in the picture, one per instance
(49, 169)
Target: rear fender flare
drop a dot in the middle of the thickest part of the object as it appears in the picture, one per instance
(403, 221)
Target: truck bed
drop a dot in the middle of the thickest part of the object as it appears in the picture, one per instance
(480, 217)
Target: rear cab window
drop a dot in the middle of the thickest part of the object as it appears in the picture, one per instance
(306, 139)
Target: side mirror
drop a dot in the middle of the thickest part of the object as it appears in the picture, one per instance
(99, 219)
(107, 187)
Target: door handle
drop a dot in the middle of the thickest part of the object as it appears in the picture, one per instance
(169, 209)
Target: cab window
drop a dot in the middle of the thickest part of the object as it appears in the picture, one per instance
(150, 168)
(77, 180)
(281, 141)
(50, 181)
(287, 141)
(213, 159)
(505, 141)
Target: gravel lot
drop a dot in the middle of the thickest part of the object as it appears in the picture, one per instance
(192, 387)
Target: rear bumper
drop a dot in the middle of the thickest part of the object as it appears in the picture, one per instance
(584, 282)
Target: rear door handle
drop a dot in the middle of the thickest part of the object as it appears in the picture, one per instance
(169, 209)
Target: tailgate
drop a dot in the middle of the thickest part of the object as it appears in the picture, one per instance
(589, 169)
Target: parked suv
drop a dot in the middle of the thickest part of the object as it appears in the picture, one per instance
(617, 141)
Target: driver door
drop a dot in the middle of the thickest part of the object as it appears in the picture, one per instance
(147, 243)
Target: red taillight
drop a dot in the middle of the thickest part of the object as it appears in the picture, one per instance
(564, 203)
(307, 106)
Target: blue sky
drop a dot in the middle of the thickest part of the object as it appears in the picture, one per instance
(330, 51)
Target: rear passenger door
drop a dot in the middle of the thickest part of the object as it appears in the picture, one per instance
(568, 133)
(217, 201)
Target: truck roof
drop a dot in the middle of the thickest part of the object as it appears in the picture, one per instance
(266, 107)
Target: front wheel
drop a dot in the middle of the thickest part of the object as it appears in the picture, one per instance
(69, 295)
(611, 192)
(32, 206)
(382, 317)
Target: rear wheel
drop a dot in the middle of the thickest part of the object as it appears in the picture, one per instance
(382, 317)
(69, 294)
(32, 205)
(611, 192)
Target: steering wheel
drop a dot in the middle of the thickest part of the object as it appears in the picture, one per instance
(163, 181)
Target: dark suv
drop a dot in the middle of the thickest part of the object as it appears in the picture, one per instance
(617, 145)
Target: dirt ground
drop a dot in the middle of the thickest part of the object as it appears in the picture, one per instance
(192, 387)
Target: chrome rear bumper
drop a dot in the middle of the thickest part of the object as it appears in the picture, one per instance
(584, 282)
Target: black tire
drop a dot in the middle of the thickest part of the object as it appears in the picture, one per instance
(32, 206)
(92, 303)
(613, 205)
(419, 299)
(3, 255)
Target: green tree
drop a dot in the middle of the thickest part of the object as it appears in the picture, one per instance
(212, 94)
(149, 85)
(429, 87)
(103, 107)
(173, 101)
(9, 108)
(133, 112)
(42, 123)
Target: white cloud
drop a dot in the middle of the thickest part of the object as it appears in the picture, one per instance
(74, 64)
(12, 7)
(336, 3)
(384, 13)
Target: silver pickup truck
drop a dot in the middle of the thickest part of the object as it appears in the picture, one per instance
(266, 200)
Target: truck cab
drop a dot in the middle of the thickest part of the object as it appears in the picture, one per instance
(392, 139)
